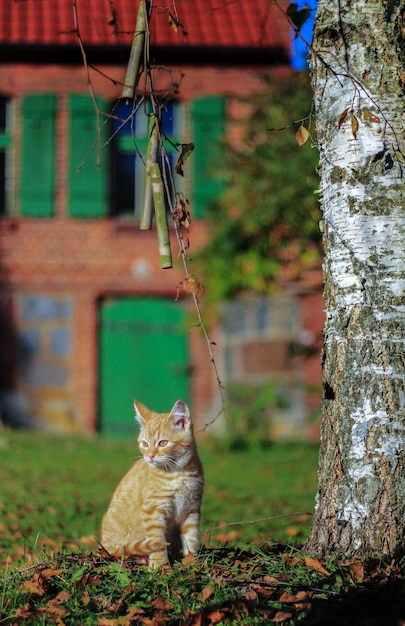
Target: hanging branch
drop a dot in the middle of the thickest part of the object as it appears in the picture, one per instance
(151, 157)
(162, 227)
(137, 50)
(159, 190)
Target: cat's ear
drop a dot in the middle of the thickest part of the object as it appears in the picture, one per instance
(140, 410)
(181, 415)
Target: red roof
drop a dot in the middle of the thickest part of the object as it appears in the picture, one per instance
(204, 23)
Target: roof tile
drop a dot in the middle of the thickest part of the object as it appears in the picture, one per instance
(209, 23)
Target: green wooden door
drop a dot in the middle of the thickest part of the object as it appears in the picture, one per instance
(143, 356)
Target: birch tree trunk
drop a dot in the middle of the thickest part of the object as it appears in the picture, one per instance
(358, 77)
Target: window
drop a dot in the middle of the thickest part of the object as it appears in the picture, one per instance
(130, 139)
(5, 165)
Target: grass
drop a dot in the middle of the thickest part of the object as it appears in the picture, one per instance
(54, 490)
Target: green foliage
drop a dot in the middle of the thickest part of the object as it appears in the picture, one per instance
(249, 410)
(264, 228)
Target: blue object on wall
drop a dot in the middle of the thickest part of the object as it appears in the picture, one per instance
(299, 50)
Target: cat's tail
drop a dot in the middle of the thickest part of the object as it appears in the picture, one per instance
(145, 547)
(142, 548)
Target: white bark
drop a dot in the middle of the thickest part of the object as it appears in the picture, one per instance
(358, 81)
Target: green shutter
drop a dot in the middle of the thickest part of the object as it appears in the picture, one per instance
(208, 130)
(38, 155)
(87, 180)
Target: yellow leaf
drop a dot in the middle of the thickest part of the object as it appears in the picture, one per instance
(302, 135)
(355, 125)
(370, 117)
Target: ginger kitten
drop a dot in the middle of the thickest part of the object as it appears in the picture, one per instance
(157, 503)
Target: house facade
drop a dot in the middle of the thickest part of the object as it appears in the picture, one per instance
(88, 319)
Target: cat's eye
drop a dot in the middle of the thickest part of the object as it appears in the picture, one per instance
(162, 443)
(144, 443)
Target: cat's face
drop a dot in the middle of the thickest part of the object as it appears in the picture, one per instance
(165, 439)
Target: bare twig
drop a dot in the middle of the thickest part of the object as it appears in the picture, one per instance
(261, 519)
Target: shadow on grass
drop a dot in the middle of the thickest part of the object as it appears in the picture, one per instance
(381, 604)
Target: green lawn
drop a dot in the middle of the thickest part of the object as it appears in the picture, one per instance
(54, 490)
(57, 488)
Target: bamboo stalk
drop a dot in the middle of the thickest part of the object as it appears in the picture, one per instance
(151, 157)
(162, 227)
(137, 50)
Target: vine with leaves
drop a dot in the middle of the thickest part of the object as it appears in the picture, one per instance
(160, 197)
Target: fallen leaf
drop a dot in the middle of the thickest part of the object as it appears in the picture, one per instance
(291, 560)
(147, 621)
(55, 610)
(161, 604)
(287, 597)
(35, 586)
(85, 598)
(358, 571)
(62, 596)
(270, 579)
(316, 565)
(190, 559)
(232, 535)
(281, 616)
(192, 618)
(264, 591)
(24, 612)
(293, 531)
(49, 573)
(249, 596)
(215, 616)
(206, 593)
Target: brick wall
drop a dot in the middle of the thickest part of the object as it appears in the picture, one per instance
(86, 261)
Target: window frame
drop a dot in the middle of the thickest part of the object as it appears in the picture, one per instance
(133, 142)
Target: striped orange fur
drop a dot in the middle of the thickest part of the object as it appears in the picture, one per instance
(156, 505)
